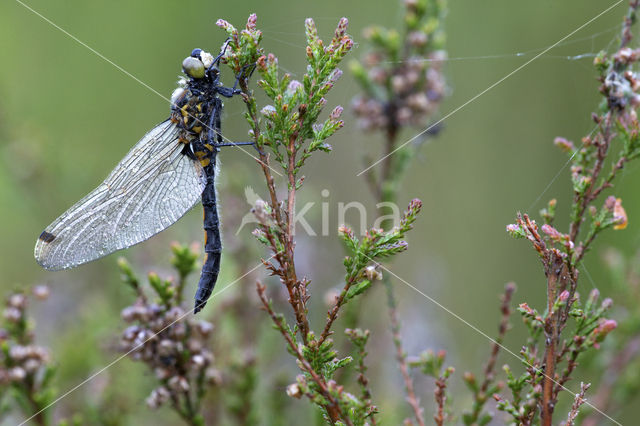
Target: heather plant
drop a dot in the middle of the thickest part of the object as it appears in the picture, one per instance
(570, 326)
(26, 369)
(618, 363)
(175, 348)
(402, 82)
(289, 132)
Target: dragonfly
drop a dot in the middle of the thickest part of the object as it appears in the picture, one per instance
(161, 178)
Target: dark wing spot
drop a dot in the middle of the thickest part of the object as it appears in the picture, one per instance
(47, 237)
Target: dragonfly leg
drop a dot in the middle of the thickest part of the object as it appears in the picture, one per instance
(244, 74)
(216, 61)
(253, 144)
(214, 134)
(230, 91)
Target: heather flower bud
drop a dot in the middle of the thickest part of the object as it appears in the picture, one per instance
(223, 24)
(178, 384)
(469, 377)
(17, 374)
(17, 300)
(131, 332)
(336, 113)
(513, 228)
(619, 215)
(179, 330)
(605, 327)
(372, 273)
(213, 376)
(564, 144)
(564, 296)
(41, 292)
(128, 314)
(158, 397)
(39, 353)
(174, 314)
(269, 111)
(194, 345)
(31, 365)
(331, 296)
(293, 87)
(12, 314)
(18, 352)
(293, 390)
(204, 328)
(161, 373)
(417, 38)
(165, 347)
(335, 75)
(552, 232)
(198, 361)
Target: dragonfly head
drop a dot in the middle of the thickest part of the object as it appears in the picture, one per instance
(196, 65)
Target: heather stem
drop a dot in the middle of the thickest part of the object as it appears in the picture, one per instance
(401, 356)
(557, 278)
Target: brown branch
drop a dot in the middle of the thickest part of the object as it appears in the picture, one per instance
(577, 403)
(557, 278)
(628, 23)
(441, 397)
(286, 270)
(505, 308)
(332, 315)
(571, 365)
(603, 140)
(332, 406)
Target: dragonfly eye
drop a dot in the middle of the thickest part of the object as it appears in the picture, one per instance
(193, 67)
(195, 53)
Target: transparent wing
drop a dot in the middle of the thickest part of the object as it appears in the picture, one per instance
(150, 189)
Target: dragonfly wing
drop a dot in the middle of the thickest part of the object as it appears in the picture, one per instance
(150, 189)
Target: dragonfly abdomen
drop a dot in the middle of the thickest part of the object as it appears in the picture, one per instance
(213, 243)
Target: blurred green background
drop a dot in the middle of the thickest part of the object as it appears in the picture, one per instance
(67, 117)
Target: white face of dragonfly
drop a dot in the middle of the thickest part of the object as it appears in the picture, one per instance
(196, 64)
(206, 58)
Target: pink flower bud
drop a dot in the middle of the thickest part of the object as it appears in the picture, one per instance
(564, 144)
(564, 296)
(619, 215)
